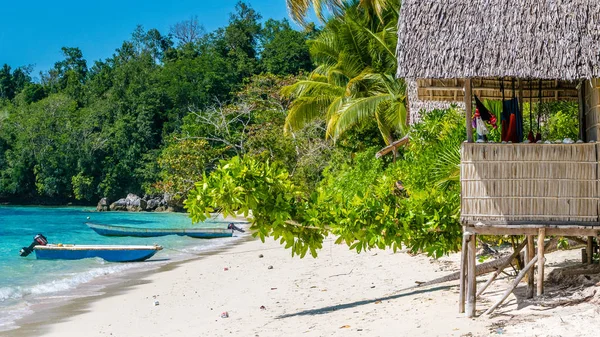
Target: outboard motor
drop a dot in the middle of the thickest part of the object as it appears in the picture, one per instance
(38, 240)
(234, 227)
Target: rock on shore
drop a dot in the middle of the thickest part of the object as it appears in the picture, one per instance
(134, 203)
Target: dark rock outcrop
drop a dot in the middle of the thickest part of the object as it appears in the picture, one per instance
(119, 205)
(133, 203)
(152, 204)
(103, 205)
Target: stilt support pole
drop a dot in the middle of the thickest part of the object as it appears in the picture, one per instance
(471, 277)
(463, 272)
(590, 249)
(530, 275)
(540, 254)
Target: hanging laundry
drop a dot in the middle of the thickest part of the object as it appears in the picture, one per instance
(486, 115)
(510, 115)
(504, 118)
(479, 126)
(511, 118)
(512, 129)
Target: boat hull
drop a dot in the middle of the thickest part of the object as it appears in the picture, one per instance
(200, 233)
(108, 253)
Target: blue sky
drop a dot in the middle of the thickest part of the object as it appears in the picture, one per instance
(32, 32)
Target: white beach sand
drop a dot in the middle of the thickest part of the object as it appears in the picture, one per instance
(340, 293)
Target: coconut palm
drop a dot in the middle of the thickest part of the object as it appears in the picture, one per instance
(354, 80)
(298, 9)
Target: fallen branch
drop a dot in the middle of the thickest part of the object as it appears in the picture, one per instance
(513, 286)
(484, 268)
(393, 146)
(480, 269)
(567, 302)
(501, 268)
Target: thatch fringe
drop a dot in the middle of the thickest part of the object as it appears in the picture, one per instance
(417, 107)
(548, 39)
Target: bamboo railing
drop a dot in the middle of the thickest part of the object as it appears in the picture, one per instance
(530, 183)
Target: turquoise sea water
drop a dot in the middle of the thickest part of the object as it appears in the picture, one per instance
(27, 282)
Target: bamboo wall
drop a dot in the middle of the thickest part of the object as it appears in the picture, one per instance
(530, 183)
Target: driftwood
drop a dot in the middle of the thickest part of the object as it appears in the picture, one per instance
(581, 271)
(487, 267)
(481, 269)
(502, 267)
(564, 303)
(514, 285)
(392, 147)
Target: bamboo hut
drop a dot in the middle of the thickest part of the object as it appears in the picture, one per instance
(453, 49)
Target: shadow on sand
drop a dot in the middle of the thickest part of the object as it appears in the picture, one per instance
(325, 310)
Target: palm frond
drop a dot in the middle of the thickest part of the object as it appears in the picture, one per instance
(355, 111)
(384, 128)
(311, 88)
(298, 9)
(446, 169)
(305, 109)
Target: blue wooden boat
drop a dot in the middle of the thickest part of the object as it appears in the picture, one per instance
(111, 253)
(203, 233)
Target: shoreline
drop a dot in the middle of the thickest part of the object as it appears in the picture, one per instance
(33, 324)
(43, 307)
(338, 294)
(341, 293)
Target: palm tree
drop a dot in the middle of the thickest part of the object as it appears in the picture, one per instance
(354, 80)
(298, 9)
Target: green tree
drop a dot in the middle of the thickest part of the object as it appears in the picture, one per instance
(7, 90)
(239, 40)
(354, 80)
(43, 145)
(182, 163)
(284, 50)
(358, 200)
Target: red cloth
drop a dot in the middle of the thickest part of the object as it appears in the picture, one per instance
(531, 137)
(504, 132)
(511, 134)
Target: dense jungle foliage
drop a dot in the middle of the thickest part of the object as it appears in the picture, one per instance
(365, 202)
(253, 118)
(151, 117)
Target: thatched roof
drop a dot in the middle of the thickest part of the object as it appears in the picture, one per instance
(548, 39)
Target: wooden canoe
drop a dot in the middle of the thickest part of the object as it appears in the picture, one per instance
(111, 253)
(204, 233)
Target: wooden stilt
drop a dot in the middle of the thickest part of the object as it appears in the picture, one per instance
(540, 256)
(463, 271)
(589, 249)
(471, 277)
(501, 268)
(530, 275)
(520, 96)
(513, 286)
(469, 109)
